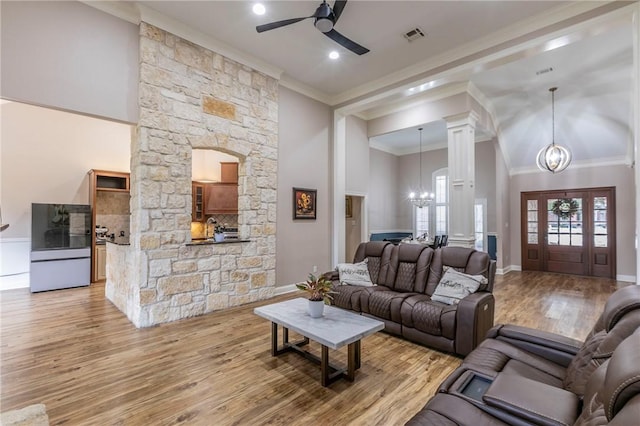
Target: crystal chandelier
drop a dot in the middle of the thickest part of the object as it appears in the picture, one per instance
(553, 158)
(422, 198)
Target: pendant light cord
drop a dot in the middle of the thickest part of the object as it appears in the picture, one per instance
(553, 115)
(420, 186)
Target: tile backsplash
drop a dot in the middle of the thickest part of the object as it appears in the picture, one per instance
(112, 211)
(198, 229)
(115, 223)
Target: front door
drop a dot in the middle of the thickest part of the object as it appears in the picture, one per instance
(570, 232)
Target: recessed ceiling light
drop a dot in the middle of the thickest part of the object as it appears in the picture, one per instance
(334, 55)
(259, 9)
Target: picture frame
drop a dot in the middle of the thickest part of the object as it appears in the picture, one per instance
(348, 207)
(304, 203)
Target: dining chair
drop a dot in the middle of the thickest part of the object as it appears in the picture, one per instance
(444, 240)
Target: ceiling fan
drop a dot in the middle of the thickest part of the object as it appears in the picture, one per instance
(325, 19)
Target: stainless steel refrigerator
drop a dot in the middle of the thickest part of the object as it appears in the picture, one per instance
(60, 246)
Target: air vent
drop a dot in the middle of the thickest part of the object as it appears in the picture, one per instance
(544, 71)
(414, 34)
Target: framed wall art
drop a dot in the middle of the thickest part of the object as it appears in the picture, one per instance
(348, 207)
(304, 203)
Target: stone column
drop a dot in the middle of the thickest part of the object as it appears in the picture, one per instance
(461, 147)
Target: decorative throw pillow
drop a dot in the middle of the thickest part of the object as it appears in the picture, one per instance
(455, 285)
(355, 273)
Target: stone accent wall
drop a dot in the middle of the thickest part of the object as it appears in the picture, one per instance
(191, 97)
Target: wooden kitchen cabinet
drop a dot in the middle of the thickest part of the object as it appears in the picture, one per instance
(221, 198)
(197, 208)
(101, 262)
(228, 172)
(104, 183)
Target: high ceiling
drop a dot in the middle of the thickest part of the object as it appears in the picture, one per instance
(591, 64)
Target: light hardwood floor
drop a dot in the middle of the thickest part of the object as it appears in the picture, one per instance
(75, 352)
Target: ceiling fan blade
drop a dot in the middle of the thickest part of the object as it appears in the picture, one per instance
(278, 24)
(337, 8)
(345, 42)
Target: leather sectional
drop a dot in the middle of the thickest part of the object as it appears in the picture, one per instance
(406, 277)
(522, 376)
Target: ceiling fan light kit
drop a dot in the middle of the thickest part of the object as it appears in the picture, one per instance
(325, 19)
(553, 158)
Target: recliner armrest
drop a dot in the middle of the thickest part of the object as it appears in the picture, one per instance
(474, 317)
(554, 347)
(533, 401)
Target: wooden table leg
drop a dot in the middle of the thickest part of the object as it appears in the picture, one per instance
(324, 366)
(274, 339)
(353, 360)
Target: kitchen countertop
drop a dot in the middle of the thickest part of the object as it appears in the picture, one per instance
(120, 241)
(207, 242)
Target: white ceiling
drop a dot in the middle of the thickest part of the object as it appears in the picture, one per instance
(593, 70)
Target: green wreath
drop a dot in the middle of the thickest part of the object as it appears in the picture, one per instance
(565, 207)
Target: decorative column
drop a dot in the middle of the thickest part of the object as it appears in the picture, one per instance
(461, 147)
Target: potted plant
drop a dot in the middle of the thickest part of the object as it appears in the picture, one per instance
(218, 232)
(320, 290)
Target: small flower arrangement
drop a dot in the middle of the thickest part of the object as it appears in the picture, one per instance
(319, 288)
(217, 228)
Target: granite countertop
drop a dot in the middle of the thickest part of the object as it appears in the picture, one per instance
(207, 242)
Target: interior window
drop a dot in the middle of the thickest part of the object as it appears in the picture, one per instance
(441, 185)
(479, 225)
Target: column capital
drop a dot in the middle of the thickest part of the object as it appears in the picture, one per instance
(469, 118)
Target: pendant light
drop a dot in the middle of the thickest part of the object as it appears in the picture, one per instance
(553, 158)
(422, 198)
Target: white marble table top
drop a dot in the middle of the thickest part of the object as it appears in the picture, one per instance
(336, 328)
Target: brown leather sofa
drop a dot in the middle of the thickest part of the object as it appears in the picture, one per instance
(406, 276)
(521, 376)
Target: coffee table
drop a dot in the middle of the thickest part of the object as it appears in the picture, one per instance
(336, 328)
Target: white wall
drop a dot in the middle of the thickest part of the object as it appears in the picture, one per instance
(620, 177)
(205, 164)
(485, 166)
(502, 186)
(70, 56)
(385, 193)
(303, 162)
(45, 157)
(357, 156)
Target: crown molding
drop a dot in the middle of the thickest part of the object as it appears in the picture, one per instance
(406, 103)
(519, 29)
(476, 94)
(124, 10)
(297, 86)
(613, 161)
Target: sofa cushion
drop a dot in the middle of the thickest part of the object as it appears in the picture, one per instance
(355, 273)
(384, 304)
(409, 267)
(348, 296)
(421, 313)
(455, 285)
(378, 254)
(498, 356)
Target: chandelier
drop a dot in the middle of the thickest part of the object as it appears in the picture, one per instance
(422, 198)
(553, 158)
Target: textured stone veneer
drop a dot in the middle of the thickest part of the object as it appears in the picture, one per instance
(191, 97)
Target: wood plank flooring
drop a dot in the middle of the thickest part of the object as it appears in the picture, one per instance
(75, 352)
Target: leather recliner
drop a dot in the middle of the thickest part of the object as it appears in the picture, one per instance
(557, 360)
(406, 276)
(612, 397)
(537, 377)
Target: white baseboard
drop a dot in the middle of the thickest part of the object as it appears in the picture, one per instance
(285, 289)
(626, 278)
(10, 282)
